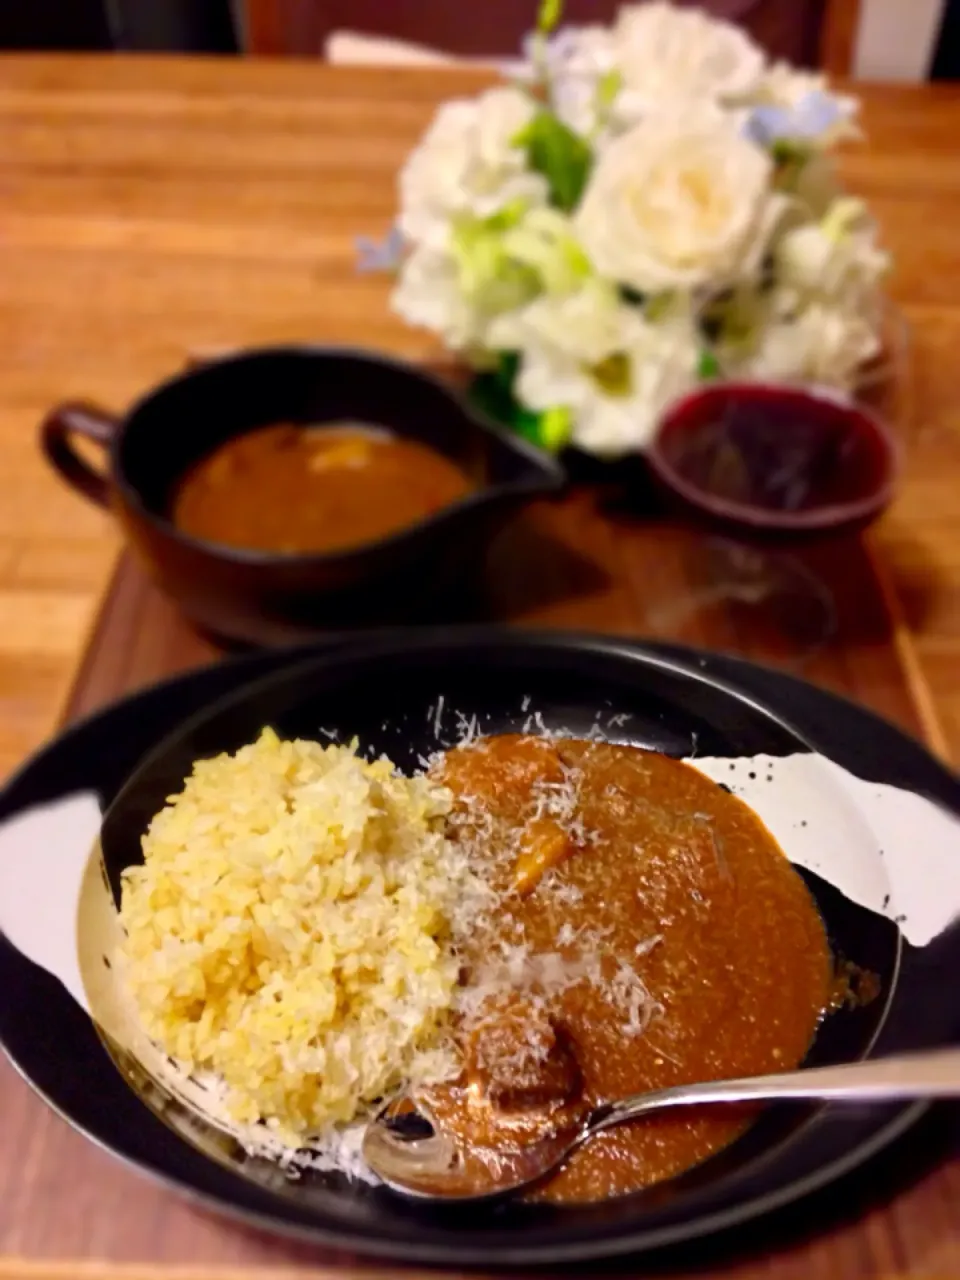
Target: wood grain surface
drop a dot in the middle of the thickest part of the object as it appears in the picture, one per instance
(153, 208)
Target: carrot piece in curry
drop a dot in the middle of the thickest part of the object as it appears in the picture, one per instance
(543, 845)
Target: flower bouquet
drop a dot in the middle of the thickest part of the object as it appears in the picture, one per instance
(645, 207)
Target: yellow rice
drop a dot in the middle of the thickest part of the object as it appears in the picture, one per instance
(290, 930)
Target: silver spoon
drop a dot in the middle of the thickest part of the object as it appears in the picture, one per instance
(416, 1158)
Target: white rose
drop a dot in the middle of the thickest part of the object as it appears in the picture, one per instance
(677, 203)
(428, 295)
(665, 54)
(468, 163)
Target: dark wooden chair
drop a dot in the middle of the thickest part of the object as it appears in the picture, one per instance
(807, 32)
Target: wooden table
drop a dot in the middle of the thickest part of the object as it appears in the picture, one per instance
(152, 209)
(149, 208)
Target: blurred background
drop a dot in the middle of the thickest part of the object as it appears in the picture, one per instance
(870, 39)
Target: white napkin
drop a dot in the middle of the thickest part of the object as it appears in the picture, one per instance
(353, 49)
(43, 855)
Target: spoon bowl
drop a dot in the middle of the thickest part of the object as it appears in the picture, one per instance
(434, 1166)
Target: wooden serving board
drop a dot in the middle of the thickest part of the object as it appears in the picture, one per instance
(585, 562)
(68, 1210)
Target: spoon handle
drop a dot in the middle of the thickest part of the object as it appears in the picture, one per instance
(922, 1075)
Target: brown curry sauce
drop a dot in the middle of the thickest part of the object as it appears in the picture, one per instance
(666, 940)
(301, 490)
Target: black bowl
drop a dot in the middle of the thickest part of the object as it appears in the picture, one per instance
(268, 598)
(401, 695)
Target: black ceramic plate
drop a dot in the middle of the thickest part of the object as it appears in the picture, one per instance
(864, 812)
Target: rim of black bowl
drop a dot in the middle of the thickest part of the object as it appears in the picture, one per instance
(834, 514)
(551, 475)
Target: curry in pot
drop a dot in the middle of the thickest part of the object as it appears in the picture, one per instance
(301, 490)
(645, 930)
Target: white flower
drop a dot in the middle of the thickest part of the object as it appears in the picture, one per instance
(577, 62)
(823, 345)
(836, 258)
(667, 54)
(710, 208)
(492, 268)
(678, 202)
(783, 85)
(468, 163)
(428, 295)
(583, 327)
(544, 241)
(598, 358)
(490, 277)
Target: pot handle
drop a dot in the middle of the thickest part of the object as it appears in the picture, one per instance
(77, 418)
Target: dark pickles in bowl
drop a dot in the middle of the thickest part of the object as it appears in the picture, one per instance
(277, 492)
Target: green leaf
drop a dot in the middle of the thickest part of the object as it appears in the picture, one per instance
(549, 15)
(790, 157)
(508, 366)
(492, 394)
(556, 428)
(560, 155)
(509, 216)
(709, 366)
(788, 150)
(609, 85)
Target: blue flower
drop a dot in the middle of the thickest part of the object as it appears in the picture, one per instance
(382, 255)
(814, 114)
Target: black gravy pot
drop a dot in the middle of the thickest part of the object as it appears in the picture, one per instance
(263, 597)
